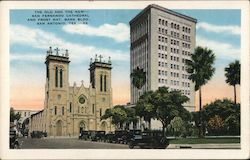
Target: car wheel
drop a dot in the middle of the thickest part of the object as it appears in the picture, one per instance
(131, 145)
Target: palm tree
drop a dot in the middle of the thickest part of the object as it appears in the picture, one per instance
(201, 70)
(232, 73)
(138, 79)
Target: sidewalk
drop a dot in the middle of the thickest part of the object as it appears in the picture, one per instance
(205, 146)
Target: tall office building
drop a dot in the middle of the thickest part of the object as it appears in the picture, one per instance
(161, 41)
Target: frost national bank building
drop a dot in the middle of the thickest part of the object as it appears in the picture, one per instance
(68, 110)
(160, 42)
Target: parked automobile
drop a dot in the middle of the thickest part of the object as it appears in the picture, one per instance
(36, 134)
(84, 135)
(110, 137)
(120, 136)
(99, 136)
(149, 139)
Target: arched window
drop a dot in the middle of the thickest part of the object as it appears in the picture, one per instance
(101, 83)
(56, 77)
(61, 79)
(55, 110)
(105, 83)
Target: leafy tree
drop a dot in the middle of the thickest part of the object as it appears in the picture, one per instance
(201, 70)
(215, 125)
(178, 126)
(120, 115)
(117, 114)
(169, 104)
(232, 73)
(232, 124)
(14, 116)
(227, 111)
(144, 107)
(164, 105)
(131, 117)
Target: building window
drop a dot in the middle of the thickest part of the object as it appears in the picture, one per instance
(70, 107)
(56, 77)
(93, 108)
(55, 110)
(100, 112)
(61, 78)
(105, 83)
(47, 72)
(101, 83)
(62, 110)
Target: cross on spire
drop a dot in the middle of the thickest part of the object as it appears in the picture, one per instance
(100, 56)
(67, 53)
(57, 50)
(50, 50)
(82, 81)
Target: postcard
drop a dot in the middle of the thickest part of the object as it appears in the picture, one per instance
(124, 80)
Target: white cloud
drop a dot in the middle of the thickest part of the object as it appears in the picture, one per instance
(219, 48)
(38, 38)
(229, 29)
(25, 56)
(118, 32)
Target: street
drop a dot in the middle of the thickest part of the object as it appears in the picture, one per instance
(74, 143)
(66, 143)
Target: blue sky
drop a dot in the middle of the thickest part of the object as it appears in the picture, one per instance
(217, 29)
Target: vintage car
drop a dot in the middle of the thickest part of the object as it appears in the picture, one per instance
(149, 139)
(98, 136)
(120, 136)
(110, 137)
(84, 135)
(38, 134)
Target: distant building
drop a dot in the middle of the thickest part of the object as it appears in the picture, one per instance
(68, 110)
(161, 41)
(24, 114)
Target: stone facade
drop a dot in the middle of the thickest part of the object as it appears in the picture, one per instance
(68, 110)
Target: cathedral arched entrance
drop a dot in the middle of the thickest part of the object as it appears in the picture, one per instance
(59, 128)
(82, 126)
(104, 126)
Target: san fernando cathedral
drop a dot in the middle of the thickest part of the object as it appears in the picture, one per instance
(68, 110)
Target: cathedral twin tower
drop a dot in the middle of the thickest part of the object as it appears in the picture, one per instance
(68, 110)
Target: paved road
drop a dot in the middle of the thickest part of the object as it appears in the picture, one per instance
(74, 143)
(67, 143)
